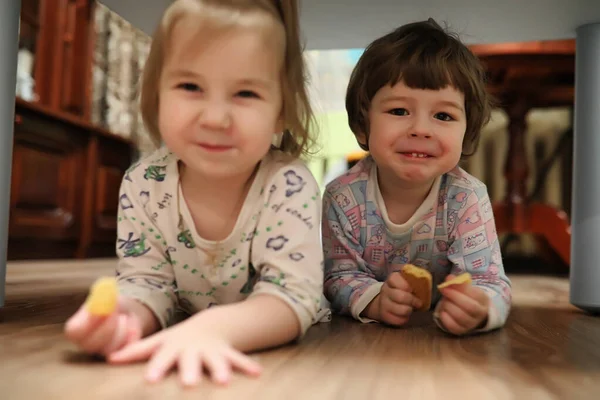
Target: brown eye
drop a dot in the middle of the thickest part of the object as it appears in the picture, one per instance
(247, 94)
(189, 87)
(442, 116)
(398, 111)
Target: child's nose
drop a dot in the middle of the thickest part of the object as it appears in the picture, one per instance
(215, 115)
(421, 129)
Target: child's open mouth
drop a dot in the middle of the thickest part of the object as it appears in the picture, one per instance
(415, 155)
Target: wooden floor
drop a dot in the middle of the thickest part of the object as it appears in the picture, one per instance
(548, 350)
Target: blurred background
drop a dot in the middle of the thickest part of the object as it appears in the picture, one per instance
(77, 129)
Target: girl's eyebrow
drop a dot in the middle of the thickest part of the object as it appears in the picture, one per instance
(179, 73)
(256, 82)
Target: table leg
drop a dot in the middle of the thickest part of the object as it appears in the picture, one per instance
(585, 220)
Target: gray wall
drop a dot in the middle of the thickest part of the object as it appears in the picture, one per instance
(354, 23)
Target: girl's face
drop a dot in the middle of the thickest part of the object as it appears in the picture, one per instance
(416, 135)
(220, 100)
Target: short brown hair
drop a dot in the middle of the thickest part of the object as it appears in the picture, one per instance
(297, 112)
(423, 56)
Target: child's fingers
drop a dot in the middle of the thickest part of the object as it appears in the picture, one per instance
(98, 339)
(397, 309)
(392, 319)
(399, 296)
(459, 316)
(469, 305)
(243, 363)
(81, 325)
(393, 313)
(449, 277)
(163, 360)
(137, 351)
(450, 324)
(396, 281)
(120, 335)
(190, 370)
(218, 366)
(134, 330)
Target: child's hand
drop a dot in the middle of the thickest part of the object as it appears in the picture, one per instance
(102, 335)
(395, 302)
(189, 346)
(463, 308)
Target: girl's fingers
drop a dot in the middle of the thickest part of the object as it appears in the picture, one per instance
(162, 361)
(190, 370)
(119, 335)
(137, 351)
(243, 363)
(218, 366)
(82, 324)
(100, 337)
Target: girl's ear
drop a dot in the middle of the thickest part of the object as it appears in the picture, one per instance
(280, 125)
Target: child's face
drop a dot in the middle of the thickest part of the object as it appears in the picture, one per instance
(220, 100)
(416, 135)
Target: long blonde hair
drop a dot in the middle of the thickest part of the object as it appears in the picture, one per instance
(296, 111)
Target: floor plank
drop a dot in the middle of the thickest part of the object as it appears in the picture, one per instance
(548, 350)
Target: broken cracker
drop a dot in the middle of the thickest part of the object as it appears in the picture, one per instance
(419, 280)
(102, 300)
(463, 278)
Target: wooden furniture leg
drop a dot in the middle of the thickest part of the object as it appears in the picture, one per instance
(515, 214)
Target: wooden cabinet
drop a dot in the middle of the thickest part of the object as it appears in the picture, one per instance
(66, 173)
(59, 33)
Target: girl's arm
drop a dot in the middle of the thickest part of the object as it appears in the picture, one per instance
(144, 273)
(260, 322)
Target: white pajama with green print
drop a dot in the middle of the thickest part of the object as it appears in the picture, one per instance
(274, 248)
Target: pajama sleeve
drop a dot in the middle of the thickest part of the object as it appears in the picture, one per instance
(349, 284)
(286, 248)
(475, 249)
(144, 270)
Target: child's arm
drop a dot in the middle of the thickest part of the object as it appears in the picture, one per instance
(475, 249)
(350, 285)
(260, 322)
(144, 273)
(288, 257)
(143, 305)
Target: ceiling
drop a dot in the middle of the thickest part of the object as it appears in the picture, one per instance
(342, 24)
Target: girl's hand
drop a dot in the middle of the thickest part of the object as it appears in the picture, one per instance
(463, 308)
(102, 335)
(189, 346)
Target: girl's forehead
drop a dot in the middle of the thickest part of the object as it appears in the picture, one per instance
(188, 39)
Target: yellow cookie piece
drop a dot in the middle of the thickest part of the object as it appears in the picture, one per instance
(419, 280)
(102, 299)
(465, 277)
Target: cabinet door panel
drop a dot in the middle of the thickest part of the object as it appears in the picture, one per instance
(47, 178)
